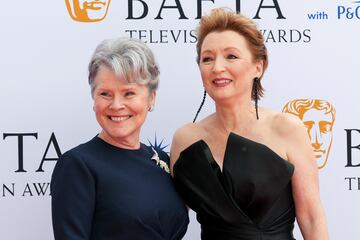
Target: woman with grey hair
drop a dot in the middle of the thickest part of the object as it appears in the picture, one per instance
(114, 186)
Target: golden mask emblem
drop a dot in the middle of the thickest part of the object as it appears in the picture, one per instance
(87, 11)
(318, 117)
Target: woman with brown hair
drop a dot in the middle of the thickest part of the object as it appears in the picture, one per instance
(246, 171)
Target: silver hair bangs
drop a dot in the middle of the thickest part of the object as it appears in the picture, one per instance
(128, 58)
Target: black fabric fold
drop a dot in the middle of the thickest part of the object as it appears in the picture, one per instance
(250, 198)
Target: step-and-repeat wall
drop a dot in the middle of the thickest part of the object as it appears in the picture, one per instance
(46, 107)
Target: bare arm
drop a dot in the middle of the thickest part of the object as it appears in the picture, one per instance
(305, 183)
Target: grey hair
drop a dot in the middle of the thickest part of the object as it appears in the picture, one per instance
(127, 57)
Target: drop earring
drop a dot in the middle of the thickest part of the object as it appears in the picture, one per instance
(255, 95)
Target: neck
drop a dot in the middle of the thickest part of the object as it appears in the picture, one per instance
(233, 117)
(128, 143)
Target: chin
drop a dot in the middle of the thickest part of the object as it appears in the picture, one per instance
(119, 135)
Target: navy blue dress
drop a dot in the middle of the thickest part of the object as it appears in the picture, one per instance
(251, 199)
(103, 192)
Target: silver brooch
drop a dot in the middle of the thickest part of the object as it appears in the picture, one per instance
(163, 165)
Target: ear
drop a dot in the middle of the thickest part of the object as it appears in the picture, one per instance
(152, 97)
(259, 67)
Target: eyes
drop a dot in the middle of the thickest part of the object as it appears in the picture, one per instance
(232, 56)
(210, 58)
(104, 94)
(109, 94)
(206, 59)
(129, 93)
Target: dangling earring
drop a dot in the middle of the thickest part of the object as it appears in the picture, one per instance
(255, 95)
(201, 105)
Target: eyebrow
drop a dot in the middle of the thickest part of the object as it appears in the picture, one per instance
(226, 49)
(231, 48)
(124, 88)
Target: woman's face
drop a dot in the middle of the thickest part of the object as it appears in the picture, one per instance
(227, 67)
(120, 107)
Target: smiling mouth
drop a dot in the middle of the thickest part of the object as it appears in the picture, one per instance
(119, 119)
(221, 82)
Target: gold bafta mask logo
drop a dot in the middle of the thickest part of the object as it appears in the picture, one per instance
(318, 117)
(87, 11)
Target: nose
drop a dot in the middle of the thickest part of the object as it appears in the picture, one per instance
(117, 103)
(218, 66)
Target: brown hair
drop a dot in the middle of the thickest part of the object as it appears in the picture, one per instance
(221, 19)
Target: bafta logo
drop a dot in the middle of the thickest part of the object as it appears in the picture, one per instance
(87, 11)
(318, 117)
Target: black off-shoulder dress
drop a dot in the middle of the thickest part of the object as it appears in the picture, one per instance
(250, 199)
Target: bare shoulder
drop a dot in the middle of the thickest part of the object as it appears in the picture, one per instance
(183, 137)
(287, 125)
(293, 134)
(191, 132)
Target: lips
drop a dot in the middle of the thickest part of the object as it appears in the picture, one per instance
(119, 118)
(221, 82)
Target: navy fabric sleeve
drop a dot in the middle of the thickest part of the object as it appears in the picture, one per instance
(73, 198)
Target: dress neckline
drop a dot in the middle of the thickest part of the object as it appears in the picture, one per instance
(200, 151)
(108, 145)
(231, 136)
